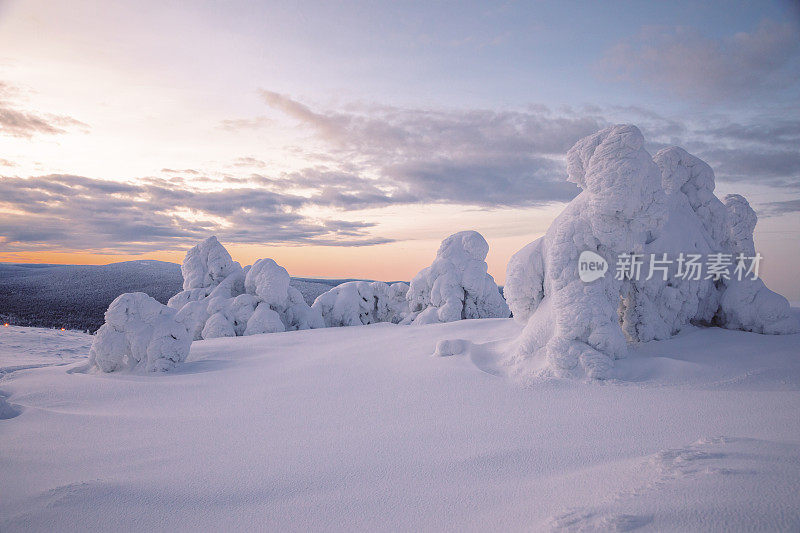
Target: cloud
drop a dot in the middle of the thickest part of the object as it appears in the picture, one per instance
(75, 212)
(191, 171)
(782, 208)
(760, 149)
(238, 124)
(686, 62)
(472, 157)
(779, 168)
(16, 122)
(248, 162)
(779, 132)
(365, 157)
(490, 158)
(383, 130)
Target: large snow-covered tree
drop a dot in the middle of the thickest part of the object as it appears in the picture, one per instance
(634, 205)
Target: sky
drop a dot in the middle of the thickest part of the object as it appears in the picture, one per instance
(347, 139)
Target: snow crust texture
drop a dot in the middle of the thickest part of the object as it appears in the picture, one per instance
(456, 286)
(357, 303)
(632, 203)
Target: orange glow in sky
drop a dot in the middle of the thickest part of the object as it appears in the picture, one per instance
(388, 262)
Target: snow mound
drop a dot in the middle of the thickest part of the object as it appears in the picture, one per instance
(362, 302)
(139, 332)
(456, 286)
(448, 347)
(654, 207)
(222, 299)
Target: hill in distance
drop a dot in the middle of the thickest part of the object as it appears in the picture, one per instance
(76, 296)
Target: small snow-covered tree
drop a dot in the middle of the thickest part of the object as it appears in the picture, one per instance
(456, 285)
(633, 204)
(139, 332)
(362, 302)
(269, 282)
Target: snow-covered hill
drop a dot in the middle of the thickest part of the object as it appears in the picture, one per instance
(76, 296)
(359, 428)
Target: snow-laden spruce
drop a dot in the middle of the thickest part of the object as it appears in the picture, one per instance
(363, 302)
(633, 203)
(139, 333)
(456, 286)
(207, 264)
(222, 299)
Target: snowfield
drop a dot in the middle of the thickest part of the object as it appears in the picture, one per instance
(33, 347)
(361, 428)
(601, 407)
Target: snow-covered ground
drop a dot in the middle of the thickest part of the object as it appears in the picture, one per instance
(27, 347)
(361, 428)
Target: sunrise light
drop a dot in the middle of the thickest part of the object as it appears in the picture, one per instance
(400, 265)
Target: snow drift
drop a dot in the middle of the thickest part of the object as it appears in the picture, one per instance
(633, 203)
(362, 302)
(456, 286)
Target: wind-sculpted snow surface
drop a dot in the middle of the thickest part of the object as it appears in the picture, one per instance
(222, 299)
(456, 286)
(139, 332)
(362, 302)
(633, 203)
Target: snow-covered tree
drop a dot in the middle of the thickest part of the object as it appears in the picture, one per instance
(222, 299)
(207, 264)
(456, 286)
(139, 332)
(362, 302)
(269, 282)
(634, 206)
